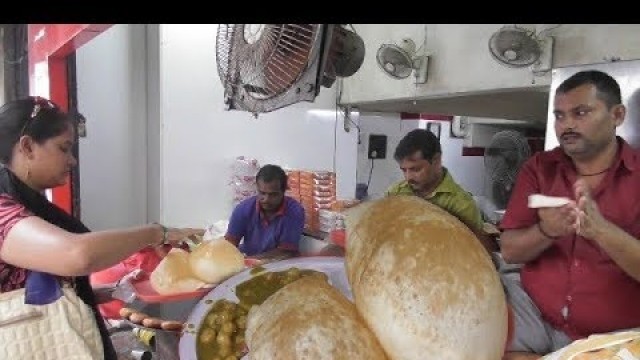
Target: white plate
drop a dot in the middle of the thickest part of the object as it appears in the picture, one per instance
(332, 266)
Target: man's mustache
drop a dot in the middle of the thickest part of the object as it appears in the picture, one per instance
(570, 133)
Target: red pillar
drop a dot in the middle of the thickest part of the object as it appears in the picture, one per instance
(49, 45)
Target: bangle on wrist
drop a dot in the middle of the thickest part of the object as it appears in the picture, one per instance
(165, 232)
(546, 234)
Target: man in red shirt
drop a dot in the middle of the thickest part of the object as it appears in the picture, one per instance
(581, 272)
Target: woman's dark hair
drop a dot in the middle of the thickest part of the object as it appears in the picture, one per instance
(269, 173)
(34, 116)
(607, 87)
(418, 140)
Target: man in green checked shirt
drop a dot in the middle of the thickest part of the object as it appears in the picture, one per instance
(420, 158)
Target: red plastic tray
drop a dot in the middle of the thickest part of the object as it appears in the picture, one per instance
(144, 291)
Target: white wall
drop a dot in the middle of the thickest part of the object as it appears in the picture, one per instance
(385, 171)
(466, 170)
(111, 95)
(160, 144)
(200, 139)
(460, 61)
(154, 180)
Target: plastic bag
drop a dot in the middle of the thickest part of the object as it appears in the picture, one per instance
(243, 178)
(124, 290)
(216, 230)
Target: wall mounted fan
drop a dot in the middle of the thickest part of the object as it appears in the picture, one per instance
(264, 67)
(400, 61)
(503, 158)
(518, 47)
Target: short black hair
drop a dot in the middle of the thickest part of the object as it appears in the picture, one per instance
(418, 140)
(608, 89)
(269, 173)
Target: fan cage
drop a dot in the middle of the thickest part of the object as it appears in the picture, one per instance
(515, 41)
(394, 61)
(504, 156)
(264, 59)
(264, 67)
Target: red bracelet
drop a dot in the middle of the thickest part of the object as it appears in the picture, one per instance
(545, 233)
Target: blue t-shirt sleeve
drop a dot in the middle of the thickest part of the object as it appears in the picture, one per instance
(291, 233)
(237, 224)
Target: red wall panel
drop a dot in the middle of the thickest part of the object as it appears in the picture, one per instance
(51, 44)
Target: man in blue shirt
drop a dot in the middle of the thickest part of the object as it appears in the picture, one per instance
(270, 223)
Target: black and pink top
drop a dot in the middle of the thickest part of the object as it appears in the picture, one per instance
(11, 211)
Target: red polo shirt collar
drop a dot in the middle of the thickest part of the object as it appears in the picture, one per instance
(624, 157)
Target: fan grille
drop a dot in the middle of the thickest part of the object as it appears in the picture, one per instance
(503, 158)
(515, 46)
(263, 59)
(394, 61)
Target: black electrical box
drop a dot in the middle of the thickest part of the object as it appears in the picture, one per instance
(377, 146)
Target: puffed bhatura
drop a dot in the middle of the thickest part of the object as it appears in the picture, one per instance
(423, 282)
(309, 319)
